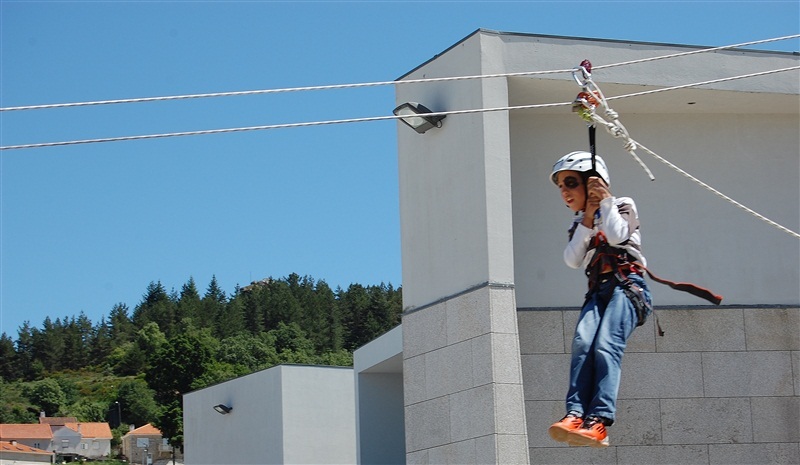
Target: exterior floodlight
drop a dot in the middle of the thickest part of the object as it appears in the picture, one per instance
(413, 114)
(223, 409)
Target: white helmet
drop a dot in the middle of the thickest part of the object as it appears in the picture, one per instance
(581, 162)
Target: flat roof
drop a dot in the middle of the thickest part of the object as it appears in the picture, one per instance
(588, 39)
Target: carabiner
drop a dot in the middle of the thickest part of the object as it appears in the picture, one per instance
(586, 76)
(585, 68)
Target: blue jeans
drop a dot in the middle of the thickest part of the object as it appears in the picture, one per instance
(606, 322)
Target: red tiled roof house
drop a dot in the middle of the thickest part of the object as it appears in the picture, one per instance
(37, 436)
(15, 452)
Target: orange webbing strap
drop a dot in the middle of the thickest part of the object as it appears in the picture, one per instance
(693, 289)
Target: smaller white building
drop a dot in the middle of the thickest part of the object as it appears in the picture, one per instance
(287, 414)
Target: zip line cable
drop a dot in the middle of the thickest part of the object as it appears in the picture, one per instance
(374, 118)
(379, 83)
(273, 126)
(615, 128)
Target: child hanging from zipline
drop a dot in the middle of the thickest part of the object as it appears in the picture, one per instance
(604, 240)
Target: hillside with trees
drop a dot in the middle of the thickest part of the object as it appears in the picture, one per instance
(132, 367)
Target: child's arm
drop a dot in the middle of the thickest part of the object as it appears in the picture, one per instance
(577, 247)
(619, 222)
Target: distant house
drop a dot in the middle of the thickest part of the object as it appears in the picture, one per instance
(13, 452)
(145, 445)
(36, 436)
(95, 439)
(64, 436)
(65, 440)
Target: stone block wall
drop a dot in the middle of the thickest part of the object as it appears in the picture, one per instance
(463, 386)
(722, 386)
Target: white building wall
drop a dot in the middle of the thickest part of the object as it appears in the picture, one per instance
(460, 352)
(318, 415)
(462, 376)
(689, 234)
(285, 414)
(740, 137)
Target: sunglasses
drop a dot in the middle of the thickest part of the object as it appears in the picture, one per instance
(571, 182)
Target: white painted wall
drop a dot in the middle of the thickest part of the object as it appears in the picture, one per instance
(689, 234)
(319, 423)
(741, 139)
(455, 214)
(380, 424)
(286, 414)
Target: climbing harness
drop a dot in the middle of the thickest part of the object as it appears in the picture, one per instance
(611, 262)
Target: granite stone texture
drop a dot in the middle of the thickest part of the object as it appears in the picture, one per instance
(463, 391)
(721, 387)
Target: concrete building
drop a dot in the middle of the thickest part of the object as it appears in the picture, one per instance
(288, 414)
(479, 368)
(490, 307)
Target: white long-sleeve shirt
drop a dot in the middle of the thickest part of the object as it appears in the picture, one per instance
(619, 221)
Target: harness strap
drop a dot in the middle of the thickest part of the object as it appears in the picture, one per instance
(693, 289)
(622, 267)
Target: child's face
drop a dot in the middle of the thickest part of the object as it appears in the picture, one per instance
(572, 191)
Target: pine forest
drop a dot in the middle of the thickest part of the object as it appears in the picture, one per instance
(133, 366)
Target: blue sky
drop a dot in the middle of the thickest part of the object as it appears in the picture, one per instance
(86, 227)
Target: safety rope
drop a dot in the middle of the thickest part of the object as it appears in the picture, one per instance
(383, 83)
(591, 97)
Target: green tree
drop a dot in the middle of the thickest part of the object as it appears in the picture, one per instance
(25, 355)
(48, 344)
(156, 307)
(279, 304)
(188, 302)
(170, 422)
(230, 321)
(212, 305)
(179, 367)
(323, 320)
(76, 337)
(252, 312)
(101, 343)
(358, 322)
(87, 410)
(47, 395)
(8, 358)
(247, 353)
(137, 403)
(369, 312)
(120, 325)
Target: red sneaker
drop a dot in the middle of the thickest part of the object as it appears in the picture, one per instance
(591, 433)
(560, 430)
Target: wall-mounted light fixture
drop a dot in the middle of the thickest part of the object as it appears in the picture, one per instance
(414, 115)
(223, 409)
